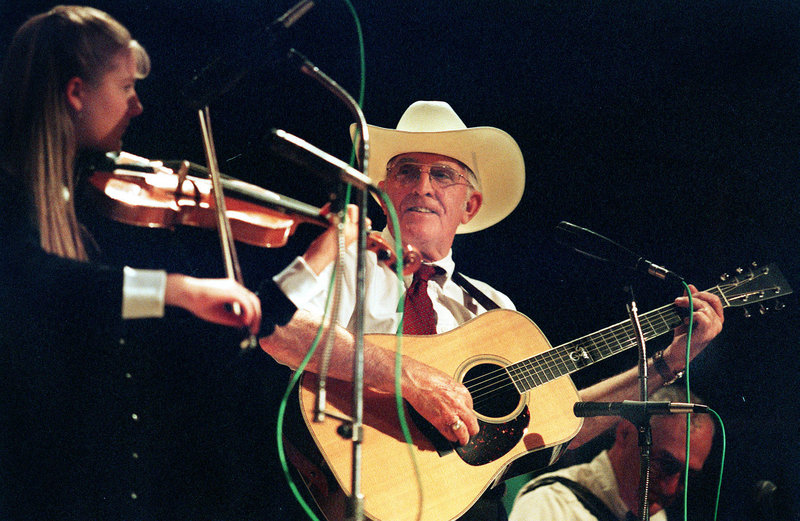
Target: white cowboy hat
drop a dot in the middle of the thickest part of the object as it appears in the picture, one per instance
(434, 127)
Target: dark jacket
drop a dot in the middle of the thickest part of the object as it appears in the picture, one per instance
(102, 418)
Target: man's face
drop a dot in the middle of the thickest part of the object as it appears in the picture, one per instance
(432, 196)
(668, 457)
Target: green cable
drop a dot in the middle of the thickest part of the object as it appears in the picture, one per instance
(688, 395)
(398, 354)
(722, 460)
(298, 373)
(688, 420)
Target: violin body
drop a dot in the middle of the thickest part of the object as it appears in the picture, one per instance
(155, 200)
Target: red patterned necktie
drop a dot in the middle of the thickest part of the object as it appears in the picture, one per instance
(419, 317)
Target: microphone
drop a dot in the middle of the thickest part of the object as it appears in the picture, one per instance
(633, 410)
(316, 160)
(224, 71)
(594, 245)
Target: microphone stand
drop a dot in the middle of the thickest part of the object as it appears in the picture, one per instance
(356, 504)
(643, 422)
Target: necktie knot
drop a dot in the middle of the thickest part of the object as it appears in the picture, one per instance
(424, 273)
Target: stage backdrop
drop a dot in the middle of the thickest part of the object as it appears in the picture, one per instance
(670, 127)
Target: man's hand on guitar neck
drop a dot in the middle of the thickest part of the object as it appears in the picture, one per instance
(708, 319)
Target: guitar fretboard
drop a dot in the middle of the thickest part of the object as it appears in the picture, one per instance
(577, 354)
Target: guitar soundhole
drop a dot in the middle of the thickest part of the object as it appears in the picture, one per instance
(493, 393)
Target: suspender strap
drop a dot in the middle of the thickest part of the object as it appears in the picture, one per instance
(474, 292)
(592, 503)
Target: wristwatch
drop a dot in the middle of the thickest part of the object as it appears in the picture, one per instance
(668, 375)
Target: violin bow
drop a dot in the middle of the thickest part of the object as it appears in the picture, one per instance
(232, 268)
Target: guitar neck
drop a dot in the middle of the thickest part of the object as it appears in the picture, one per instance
(587, 350)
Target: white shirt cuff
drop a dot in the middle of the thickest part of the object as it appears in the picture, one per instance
(143, 293)
(299, 282)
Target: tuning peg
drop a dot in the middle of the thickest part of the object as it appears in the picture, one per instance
(739, 271)
(762, 310)
(724, 277)
(778, 305)
(754, 265)
(746, 313)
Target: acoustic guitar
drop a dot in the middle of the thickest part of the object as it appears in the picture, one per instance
(522, 395)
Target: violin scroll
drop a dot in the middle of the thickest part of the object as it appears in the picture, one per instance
(386, 255)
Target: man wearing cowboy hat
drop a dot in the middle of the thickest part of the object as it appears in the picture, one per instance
(442, 178)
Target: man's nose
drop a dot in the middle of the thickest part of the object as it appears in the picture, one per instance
(423, 184)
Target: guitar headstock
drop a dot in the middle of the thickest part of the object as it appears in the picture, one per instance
(754, 285)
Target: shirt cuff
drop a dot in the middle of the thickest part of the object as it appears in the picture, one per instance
(143, 293)
(276, 309)
(298, 282)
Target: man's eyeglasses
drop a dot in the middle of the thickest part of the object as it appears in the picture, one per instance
(442, 176)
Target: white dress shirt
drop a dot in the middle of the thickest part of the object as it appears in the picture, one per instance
(557, 503)
(453, 306)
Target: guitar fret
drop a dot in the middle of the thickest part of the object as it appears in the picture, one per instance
(584, 351)
(572, 356)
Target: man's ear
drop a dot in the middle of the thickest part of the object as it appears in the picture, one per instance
(471, 206)
(381, 185)
(75, 91)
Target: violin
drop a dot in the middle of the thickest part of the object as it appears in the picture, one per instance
(138, 192)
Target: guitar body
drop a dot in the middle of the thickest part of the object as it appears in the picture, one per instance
(521, 392)
(536, 424)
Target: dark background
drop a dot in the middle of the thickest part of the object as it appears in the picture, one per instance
(671, 127)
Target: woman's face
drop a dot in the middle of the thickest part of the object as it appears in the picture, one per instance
(107, 106)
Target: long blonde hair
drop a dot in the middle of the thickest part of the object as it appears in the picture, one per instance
(37, 131)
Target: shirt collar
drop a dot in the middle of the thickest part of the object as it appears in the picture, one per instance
(446, 263)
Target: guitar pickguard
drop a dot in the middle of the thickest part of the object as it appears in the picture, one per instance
(493, 441)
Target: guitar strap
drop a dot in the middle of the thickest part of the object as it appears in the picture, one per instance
(592, 503)
(474, 292)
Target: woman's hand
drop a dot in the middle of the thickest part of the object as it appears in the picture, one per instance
(221, 301)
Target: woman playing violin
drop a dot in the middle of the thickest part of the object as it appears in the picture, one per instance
(87, 426)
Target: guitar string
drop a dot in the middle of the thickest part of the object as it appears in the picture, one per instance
(567, 365)
(486, 384)
(564, 365)
(557, 362)
(560, 350)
